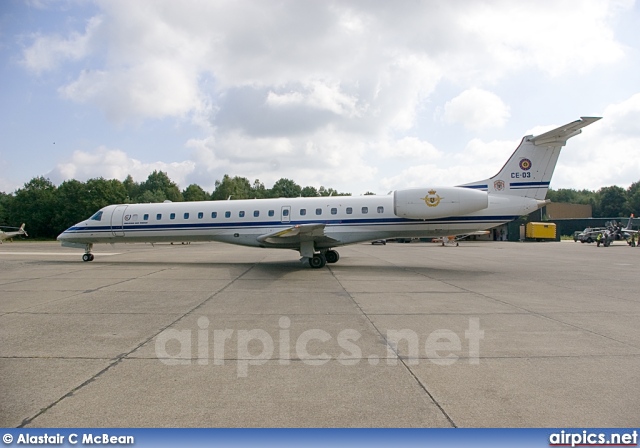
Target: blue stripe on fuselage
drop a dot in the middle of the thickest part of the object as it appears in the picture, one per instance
(271, 224)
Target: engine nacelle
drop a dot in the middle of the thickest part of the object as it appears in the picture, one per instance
(438, 202)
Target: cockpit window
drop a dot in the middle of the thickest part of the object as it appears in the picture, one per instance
(97, 216)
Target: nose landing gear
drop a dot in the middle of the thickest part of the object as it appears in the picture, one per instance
(88, 256)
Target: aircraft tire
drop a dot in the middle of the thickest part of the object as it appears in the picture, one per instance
(332, 256)
(86, 257)
(317, 261)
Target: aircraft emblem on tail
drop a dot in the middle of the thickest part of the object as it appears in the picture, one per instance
(525, 164)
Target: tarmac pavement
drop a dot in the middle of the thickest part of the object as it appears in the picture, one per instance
(487, 334)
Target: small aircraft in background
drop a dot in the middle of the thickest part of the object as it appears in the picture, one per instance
(613, 231)
(9, 235)
(453, 240)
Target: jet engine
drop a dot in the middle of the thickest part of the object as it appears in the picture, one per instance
(438, 202)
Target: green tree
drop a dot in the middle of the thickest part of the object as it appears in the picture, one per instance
(611, 202)
(70, 206)
(35, 205)
(102, 192)
(234, 187)
(285, 188)
(195, 192)
(258, 190)
(331, 192)
(310, 192)
(149, 196)
(159, 181)
(132, 188)
(633, 198)
(5, 205)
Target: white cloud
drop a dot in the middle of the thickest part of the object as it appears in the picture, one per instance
(477, 109)
(607, 153)
(319, 95)
(115, 164)
(320, 89)
(48, 52)
(409, 149)
(478, 160)
(554, 37)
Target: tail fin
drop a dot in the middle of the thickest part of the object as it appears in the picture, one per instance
(22, 231)
(630, 223)
(529, 169)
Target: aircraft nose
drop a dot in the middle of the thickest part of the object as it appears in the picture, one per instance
(69, 234)
(64, 236)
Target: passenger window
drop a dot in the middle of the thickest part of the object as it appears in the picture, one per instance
(200, 215)
(186, 216)
(285, 212)
(172, 216)
(380, 209)
(349, 210)
(365, 210)
(146, 217)
(318, 211)
(227, 214)
(241, 214)
(303, 211)
(97, 216)
(158, 216)
(334, 211)
(256, 213)
(271, 212)
(214, 215)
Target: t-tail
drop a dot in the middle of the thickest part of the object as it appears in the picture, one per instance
(528, 171)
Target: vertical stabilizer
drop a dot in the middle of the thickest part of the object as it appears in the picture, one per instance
(528, 171)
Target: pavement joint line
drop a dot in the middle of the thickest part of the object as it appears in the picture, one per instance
(77, 292)
(395, 357)
(389, 346)
(118, 359)
(535, 313)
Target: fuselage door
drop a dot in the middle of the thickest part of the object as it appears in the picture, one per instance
(117, 220)
(286, 214)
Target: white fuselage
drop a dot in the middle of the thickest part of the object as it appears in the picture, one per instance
(347, 220)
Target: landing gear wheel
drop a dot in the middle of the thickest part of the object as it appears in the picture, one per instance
(87, 257)
(332, 256)
(317, 261)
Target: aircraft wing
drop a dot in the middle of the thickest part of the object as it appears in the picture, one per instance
(294, 235)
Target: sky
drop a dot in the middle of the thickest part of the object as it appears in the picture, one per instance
(355, 95)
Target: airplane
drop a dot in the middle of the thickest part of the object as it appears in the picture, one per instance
(315, 226)
(615, 232)
(8, 235)
(453, 240)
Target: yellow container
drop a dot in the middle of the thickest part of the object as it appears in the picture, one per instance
(541, 230)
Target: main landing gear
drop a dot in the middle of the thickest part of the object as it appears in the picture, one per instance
(88, 256)
(320, 260)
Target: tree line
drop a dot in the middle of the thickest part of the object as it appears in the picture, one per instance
(48, 209)
(607, 202)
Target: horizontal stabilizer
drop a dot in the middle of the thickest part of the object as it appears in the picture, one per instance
(559, 136)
